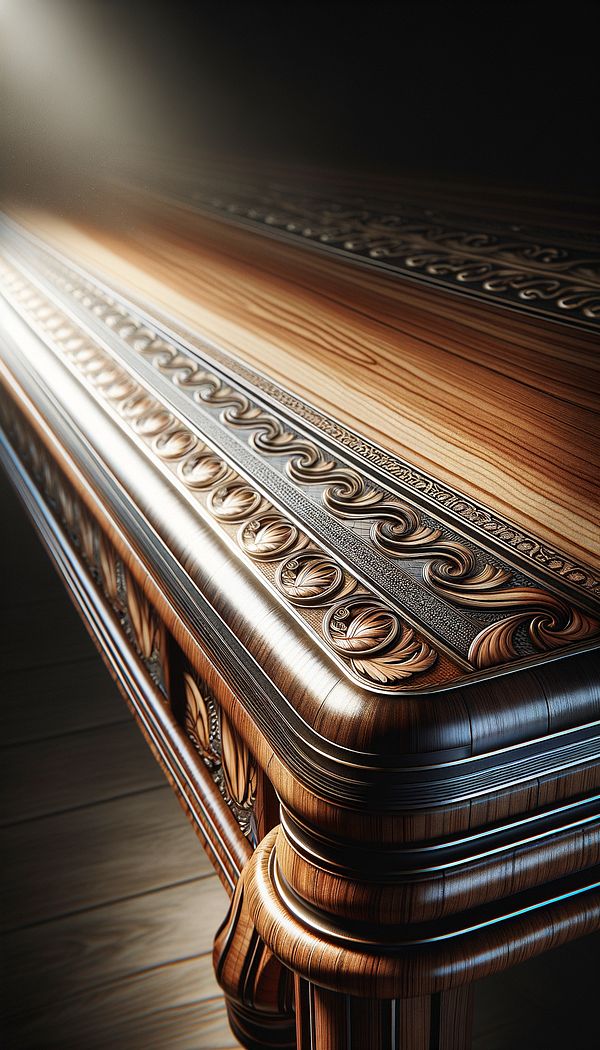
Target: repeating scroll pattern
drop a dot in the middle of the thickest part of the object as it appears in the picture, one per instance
(263, 534)
(521, 270)
(486, 522)
(450, 568)
(231, 765)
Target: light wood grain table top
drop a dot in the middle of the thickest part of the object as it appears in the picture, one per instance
(502, 407)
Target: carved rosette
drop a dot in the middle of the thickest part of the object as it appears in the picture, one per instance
(202, 470)
(376, 641)
(234, 502)
(231, 765)
(311, 578)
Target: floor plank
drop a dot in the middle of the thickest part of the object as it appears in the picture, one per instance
(91, 766)
(104, 948)
(111, 942)
(168, 1007)
(42, 702)
(68, 862)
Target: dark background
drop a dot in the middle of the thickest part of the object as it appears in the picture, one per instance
(497, 92)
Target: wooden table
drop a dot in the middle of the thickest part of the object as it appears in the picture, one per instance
(320, 478)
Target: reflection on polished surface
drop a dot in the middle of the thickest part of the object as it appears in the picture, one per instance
(299, 388)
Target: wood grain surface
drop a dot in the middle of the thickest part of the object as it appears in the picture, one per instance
(98, 843)
(499, 406)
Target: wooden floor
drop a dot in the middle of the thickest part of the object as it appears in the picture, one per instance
(108, 905)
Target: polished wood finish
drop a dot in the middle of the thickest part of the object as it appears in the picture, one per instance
(400, 798)
(258, 989)
(334, 1022)
(501, 407)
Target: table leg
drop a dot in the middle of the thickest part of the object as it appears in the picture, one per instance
(328, 1020)
(258, 989)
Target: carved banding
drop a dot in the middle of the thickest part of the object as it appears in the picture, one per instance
(519, 271)
(451, 569)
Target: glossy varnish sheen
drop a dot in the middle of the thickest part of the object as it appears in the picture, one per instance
(498, 405)
(423, 841)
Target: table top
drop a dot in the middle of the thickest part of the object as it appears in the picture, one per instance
(407, 471)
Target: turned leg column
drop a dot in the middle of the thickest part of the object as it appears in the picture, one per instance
(355, 989)
(259, 991)
(329, 1020)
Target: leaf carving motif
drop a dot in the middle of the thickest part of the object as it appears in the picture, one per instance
(154, 421)
(270, 537)
(234, 502)
(381, 648)
(202, 470)
(174, 443)
(239, 769)
(107, 564)
(367, 631)
(143, 619)
(87, 535)
(311, 578)
(68, 506)
(197, 718)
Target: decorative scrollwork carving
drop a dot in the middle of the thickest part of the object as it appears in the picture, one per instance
(550, 624)
(309, 576)
(500, 266)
